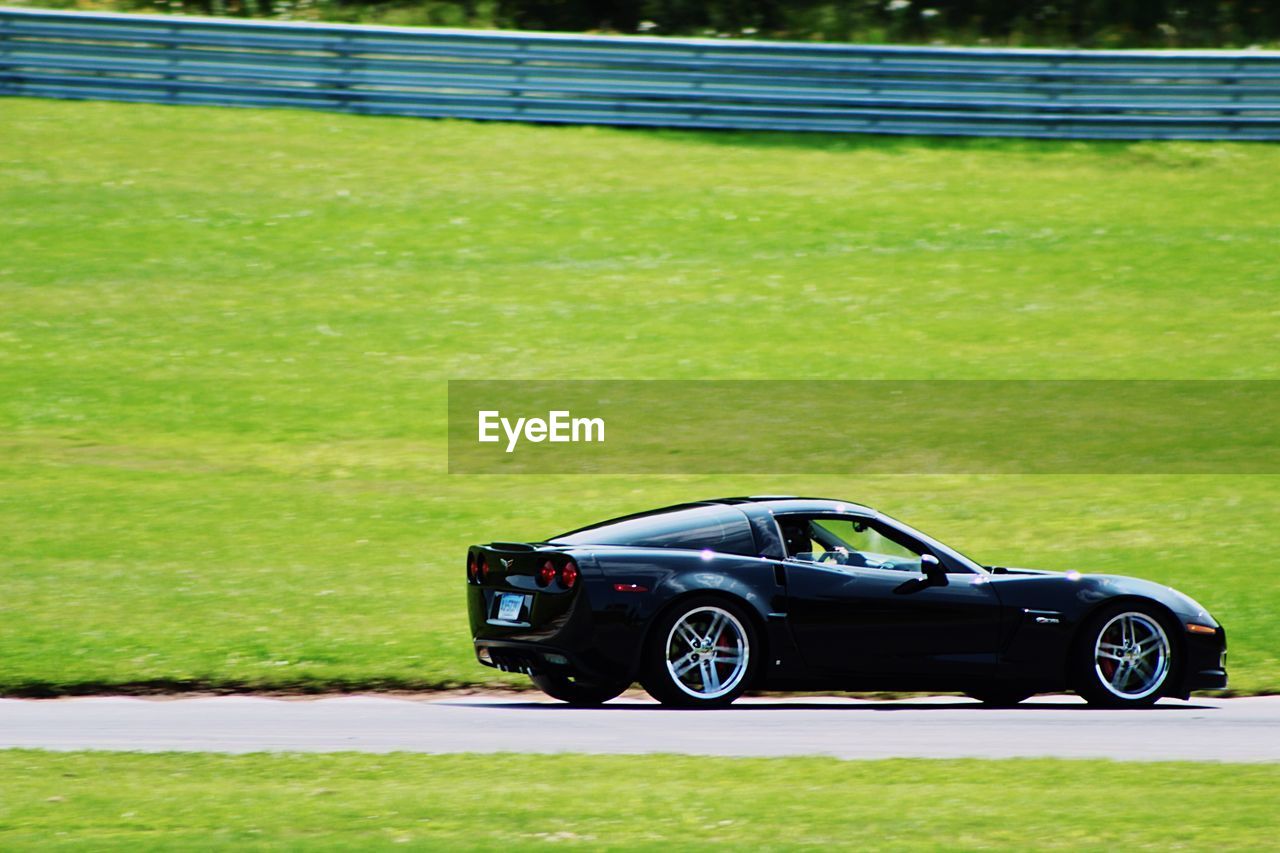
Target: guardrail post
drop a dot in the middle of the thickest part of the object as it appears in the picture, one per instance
(173, 62)
(8, 81)
(695, 113)
(1237, 91)
(343, 51)
(520, 77)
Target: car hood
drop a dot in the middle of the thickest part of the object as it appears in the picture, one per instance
(1011, 570)
(1181, 603)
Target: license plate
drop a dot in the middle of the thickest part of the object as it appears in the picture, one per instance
(509, 607)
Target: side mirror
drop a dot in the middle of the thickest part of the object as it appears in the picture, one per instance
(934, 573)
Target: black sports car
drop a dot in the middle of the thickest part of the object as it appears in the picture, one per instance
(702, 601)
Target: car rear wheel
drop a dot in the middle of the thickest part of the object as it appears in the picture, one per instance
(700, 654)
(576, 691)
(1125, 657)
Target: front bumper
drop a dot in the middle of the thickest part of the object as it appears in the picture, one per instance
(1208, 679)
(1206, 661)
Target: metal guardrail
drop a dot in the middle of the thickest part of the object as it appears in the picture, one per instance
(620, 80)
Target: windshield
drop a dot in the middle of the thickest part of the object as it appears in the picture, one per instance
(939, 549)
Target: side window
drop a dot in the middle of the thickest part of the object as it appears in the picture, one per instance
(849, 542)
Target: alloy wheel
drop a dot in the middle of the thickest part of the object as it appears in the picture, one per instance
(707, 652)
(1132, 655)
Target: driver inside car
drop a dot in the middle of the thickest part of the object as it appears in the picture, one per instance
(804, 542)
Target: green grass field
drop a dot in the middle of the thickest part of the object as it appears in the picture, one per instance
(225, 337)
(113, 801)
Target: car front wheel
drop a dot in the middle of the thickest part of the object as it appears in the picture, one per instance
(1125, 657)
(700, 654)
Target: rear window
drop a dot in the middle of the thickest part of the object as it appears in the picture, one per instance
(717, 528)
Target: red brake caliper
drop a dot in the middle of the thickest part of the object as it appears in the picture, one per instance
(1108, 666)
(720, 648)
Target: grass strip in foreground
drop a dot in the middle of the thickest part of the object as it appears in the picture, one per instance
(118, 801)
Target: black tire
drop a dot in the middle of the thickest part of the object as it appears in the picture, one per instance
(999, 697)
(1113, 666)
(576, 691)
(725, 665)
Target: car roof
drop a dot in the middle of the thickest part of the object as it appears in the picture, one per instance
(768, 503)
(793, 503)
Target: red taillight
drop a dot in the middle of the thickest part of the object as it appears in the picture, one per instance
(546, 574)
(471, 569)
(484, 569)
(569, 574)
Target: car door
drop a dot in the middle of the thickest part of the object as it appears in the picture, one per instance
(883, 617)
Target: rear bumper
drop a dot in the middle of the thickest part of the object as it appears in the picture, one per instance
(585, 634)
(532, 658)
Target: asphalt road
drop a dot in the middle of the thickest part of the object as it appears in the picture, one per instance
(941, 727)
